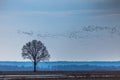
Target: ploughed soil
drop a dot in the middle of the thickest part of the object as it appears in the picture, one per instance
(66, 79)
(60, 75)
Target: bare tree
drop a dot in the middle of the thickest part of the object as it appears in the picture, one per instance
(35, 51)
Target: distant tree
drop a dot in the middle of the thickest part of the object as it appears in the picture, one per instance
(35, 51)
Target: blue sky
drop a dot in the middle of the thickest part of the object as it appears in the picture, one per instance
(72, 30)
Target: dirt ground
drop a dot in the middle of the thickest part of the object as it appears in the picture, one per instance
(68, 79)
(60, 75)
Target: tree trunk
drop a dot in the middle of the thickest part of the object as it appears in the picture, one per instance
(34, 66)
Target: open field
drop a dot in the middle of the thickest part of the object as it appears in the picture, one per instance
(60, 78)
(60, 75)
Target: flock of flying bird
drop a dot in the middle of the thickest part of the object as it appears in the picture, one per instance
(86, 31)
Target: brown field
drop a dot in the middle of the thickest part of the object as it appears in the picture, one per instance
(60, 75)
(64, 79)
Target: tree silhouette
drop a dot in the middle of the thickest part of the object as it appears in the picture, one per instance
(35, 51)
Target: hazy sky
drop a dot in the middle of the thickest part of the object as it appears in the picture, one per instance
(72, 30)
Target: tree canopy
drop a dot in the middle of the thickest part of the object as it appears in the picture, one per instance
(35, 51)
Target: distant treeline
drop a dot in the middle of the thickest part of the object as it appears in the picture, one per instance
(84, 67)
(58, 67)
